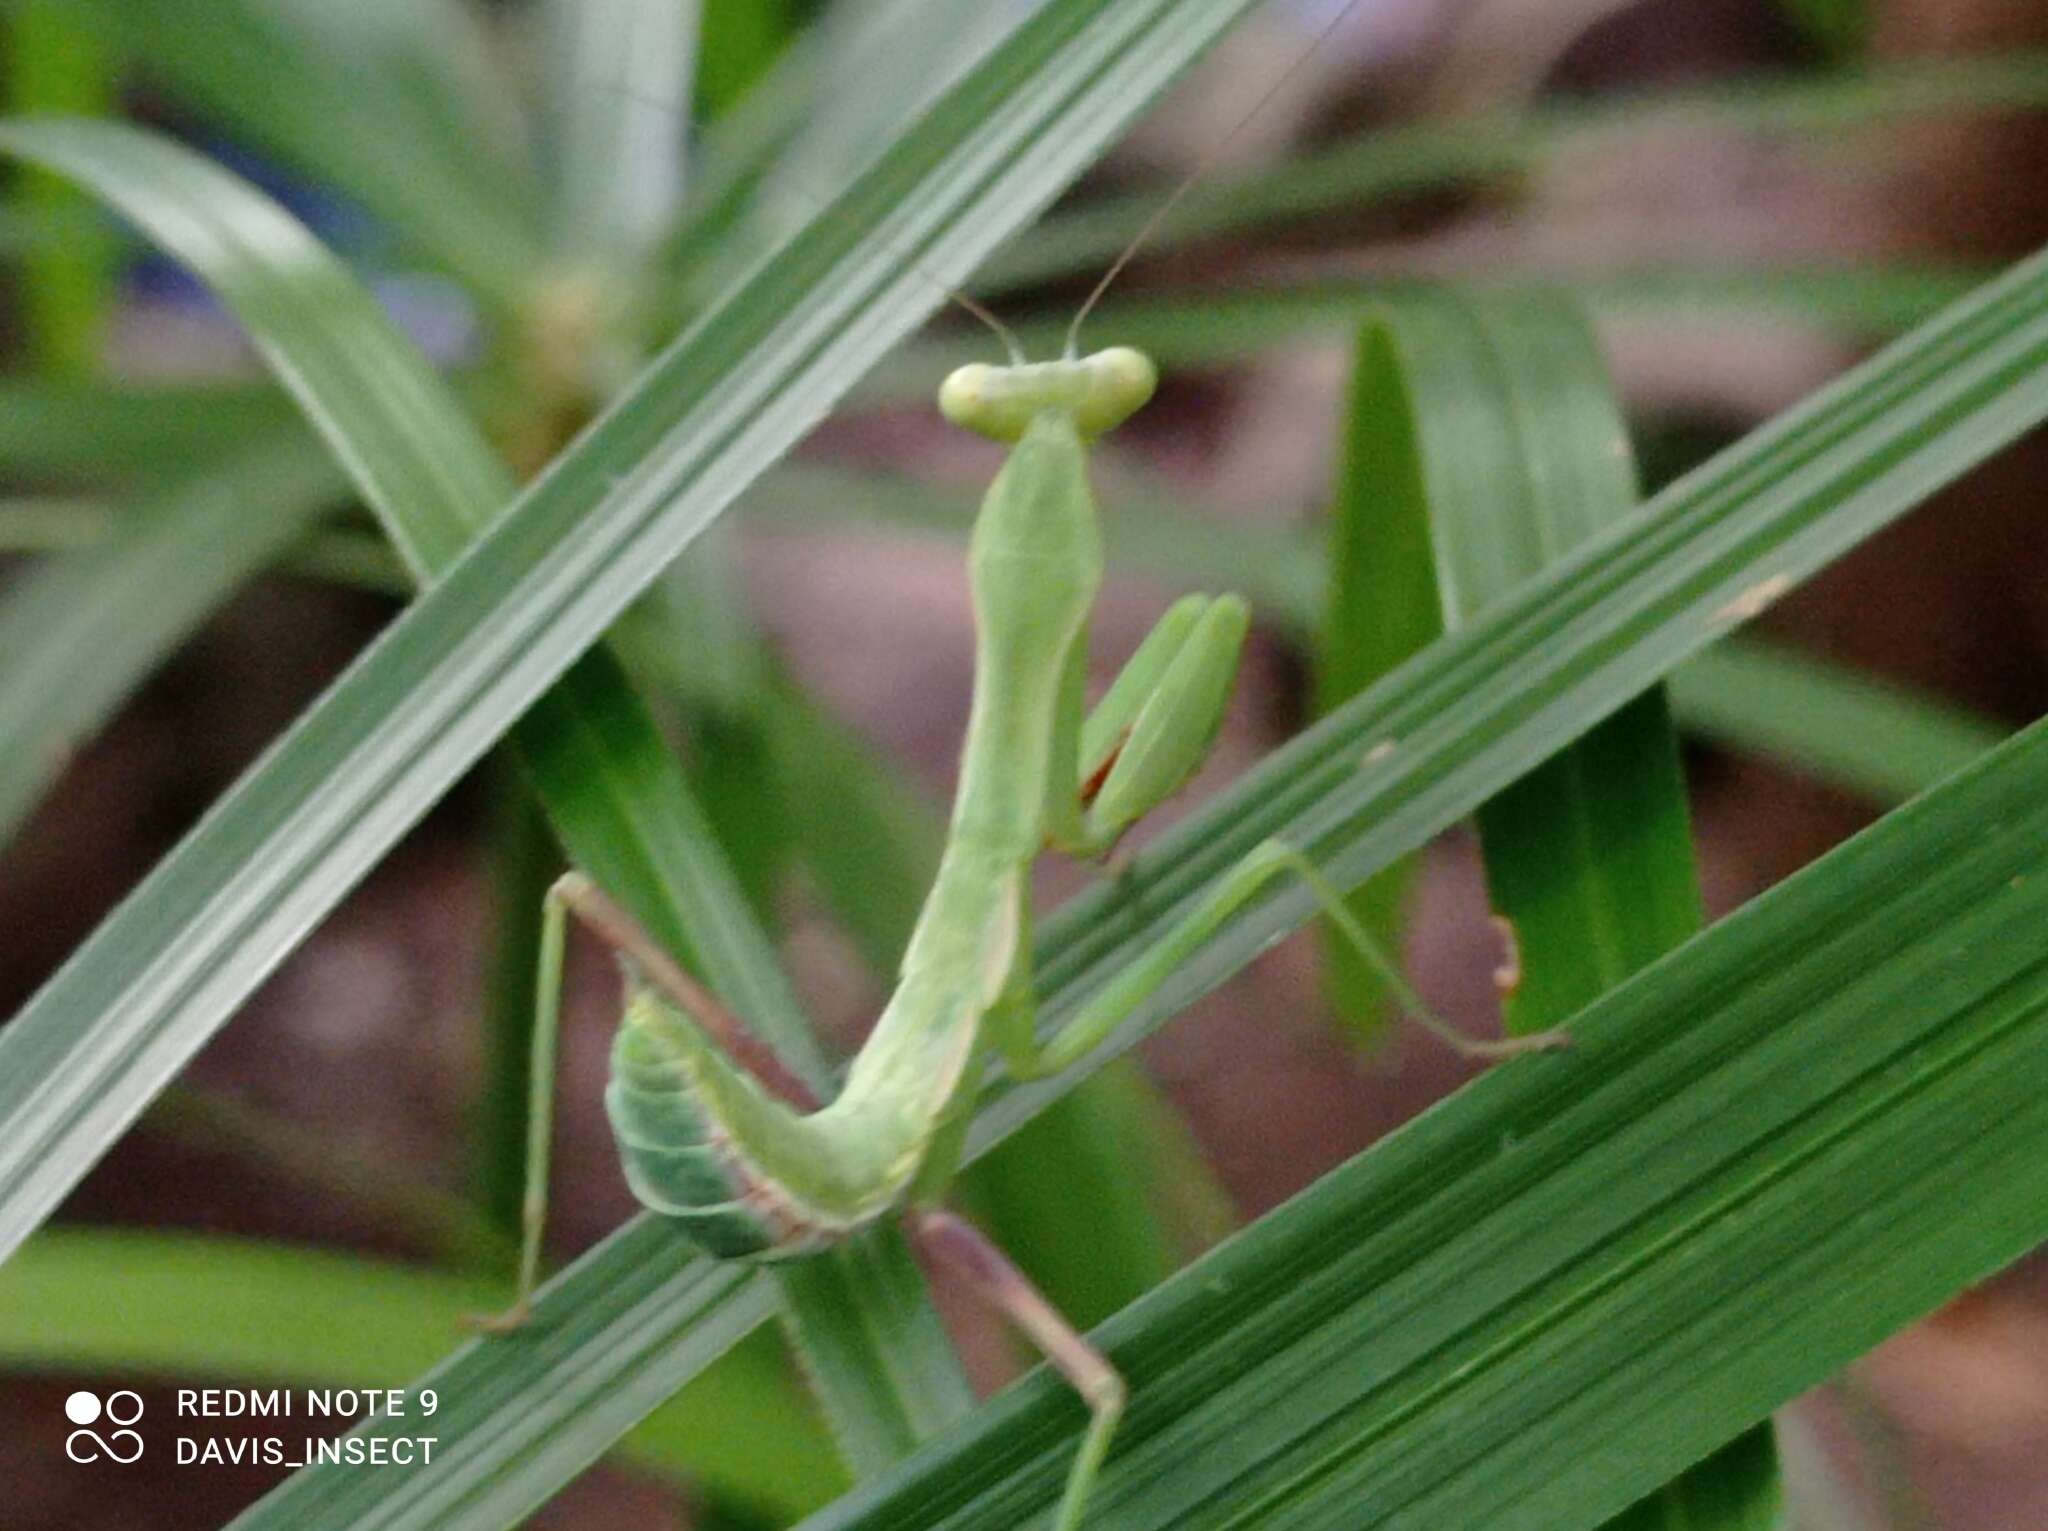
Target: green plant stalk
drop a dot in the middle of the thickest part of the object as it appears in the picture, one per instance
(524, 862)
(67, 283)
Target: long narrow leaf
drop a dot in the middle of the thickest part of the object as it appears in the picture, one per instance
(613, 790)
(1589, 858)
(1872, 736)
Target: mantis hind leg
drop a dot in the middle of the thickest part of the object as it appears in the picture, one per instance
(540, 1113)
(960, 1247)
(1130, 988)
(574, 893)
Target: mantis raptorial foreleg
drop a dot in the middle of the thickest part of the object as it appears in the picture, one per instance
(1154, 726)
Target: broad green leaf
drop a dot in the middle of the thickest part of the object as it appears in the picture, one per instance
(1468, 716)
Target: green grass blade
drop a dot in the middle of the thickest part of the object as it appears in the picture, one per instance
(613, 790)
(1525, 454)
(419, 462)
(1471, 713)
(742, 39)
(1589, 858)
(217, 1309)
(1381, 608)
(1803, 1130)
(524, 861)
(1208, 328)
(81, 632)
(869, 838)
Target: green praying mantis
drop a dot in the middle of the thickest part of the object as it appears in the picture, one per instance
(715, 1132)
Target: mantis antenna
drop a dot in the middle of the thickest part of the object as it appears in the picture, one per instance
(1203, 166)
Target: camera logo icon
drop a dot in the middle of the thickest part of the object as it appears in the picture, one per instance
(119, 1445)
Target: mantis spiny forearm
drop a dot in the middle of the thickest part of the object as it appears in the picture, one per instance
(715, 1133)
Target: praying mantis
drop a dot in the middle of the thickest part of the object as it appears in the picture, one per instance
(714, 1132)
(717, 1133)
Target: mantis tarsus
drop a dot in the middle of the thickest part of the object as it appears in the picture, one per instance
(714, 1132)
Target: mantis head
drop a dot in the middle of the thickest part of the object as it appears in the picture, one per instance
(1100, 391)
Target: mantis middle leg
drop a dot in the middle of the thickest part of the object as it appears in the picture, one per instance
(1012, 1026)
